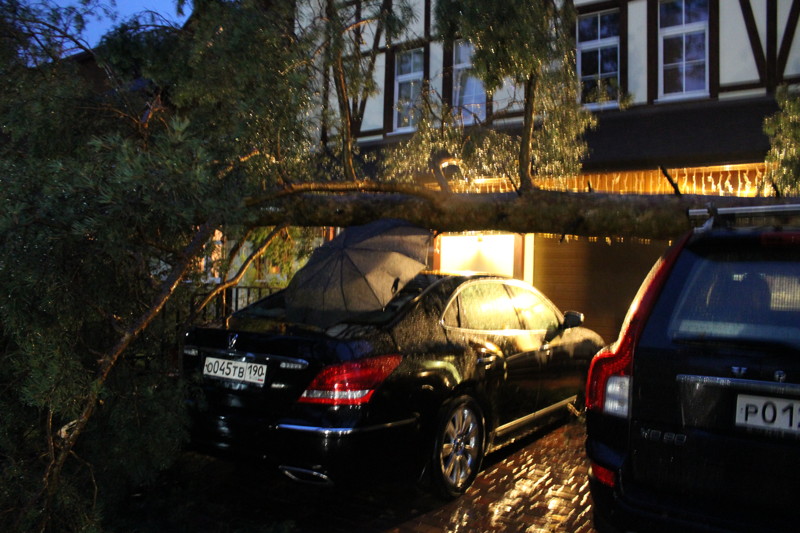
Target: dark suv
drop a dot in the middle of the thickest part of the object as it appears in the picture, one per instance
(693, 415)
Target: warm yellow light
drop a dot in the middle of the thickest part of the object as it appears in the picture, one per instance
(493, 253)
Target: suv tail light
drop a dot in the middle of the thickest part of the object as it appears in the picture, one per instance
(609, 379)
(608, 383)
(350, 383)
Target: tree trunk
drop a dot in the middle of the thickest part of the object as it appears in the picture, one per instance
(526, 138)
(345, 118)
(335, 51)
(52, 476)
(538, 211)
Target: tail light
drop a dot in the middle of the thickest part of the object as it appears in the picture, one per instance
(602, 474)
(608, 385)
(350, 383)
(609, 380)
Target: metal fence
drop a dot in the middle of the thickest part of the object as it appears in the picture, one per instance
(228, 301)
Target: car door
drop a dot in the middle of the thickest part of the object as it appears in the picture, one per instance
(559, 376)
(487, 313)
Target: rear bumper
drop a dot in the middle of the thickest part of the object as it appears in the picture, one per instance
(614, 512)
(316, 454)
(629, 508)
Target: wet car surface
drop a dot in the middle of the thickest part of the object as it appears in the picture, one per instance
(455, 366)
(692, 415)
(537, 485)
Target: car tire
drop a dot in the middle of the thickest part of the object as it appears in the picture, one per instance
(458, 448)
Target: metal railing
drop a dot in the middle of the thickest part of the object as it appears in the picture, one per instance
(711, 217)
(228, 301)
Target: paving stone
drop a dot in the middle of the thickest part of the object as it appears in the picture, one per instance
(540, 488)
(537, 486)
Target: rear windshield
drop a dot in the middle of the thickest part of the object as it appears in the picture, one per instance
(274, 306)
(732, 291)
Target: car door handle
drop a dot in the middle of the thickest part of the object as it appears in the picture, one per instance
(487, 359)
(545, 353)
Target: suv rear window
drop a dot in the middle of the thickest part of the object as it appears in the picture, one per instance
(731, 290)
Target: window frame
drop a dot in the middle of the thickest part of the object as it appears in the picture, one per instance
(401, 111)
(461, 69)
(597, 45)
(683, 30)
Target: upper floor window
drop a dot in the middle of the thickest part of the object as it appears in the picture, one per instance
(598, 57)
(683, 47)
(469, 96)
(408, 79)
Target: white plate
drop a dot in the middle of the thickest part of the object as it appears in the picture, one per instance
(240, 371)
(762, 412)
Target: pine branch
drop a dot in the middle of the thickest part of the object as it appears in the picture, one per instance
(257, 252)
(72, 432)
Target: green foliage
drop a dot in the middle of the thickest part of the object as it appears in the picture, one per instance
(558, 143)
(442, 140)
(285, 255)
(783, 158)
(238, 73)
(83, 250)
(531, 44)
(347, 37)
(513, 39)
(105, 179)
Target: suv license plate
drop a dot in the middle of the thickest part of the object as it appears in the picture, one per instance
(775, 414)
(235, 370)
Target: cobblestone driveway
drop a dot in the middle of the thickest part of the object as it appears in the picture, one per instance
(536, 486)
(540, 487)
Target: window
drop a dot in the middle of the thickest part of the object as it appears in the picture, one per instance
(731, 292)
(488, 307)
(598, 57)
(536, 313)
(408, 77)
(742, 296)
(683, 47)
(469, 97)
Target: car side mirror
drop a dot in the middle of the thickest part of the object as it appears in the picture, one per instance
(572, 319)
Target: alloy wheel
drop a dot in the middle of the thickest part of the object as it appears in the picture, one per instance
(459, 450)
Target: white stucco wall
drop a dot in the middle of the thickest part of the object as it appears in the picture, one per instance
(793, 62)
(373, 113)
(416, 30)
(637, 51)
(737, 64)
(436, 73)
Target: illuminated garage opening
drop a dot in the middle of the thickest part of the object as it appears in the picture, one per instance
(495, 253)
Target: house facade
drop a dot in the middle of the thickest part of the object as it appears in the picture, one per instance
(678, 86)
(680, 89)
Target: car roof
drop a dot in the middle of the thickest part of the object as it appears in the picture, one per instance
(462, 275)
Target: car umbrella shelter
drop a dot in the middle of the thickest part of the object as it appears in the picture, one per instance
(360, 270)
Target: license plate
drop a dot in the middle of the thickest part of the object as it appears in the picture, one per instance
(235, 370)
(775, 414)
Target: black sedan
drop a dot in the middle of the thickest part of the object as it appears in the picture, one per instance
(453, 367)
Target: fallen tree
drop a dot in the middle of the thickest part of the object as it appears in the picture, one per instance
(535, 211)
(104, 197)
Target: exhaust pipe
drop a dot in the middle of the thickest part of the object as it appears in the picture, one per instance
(304, 475)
